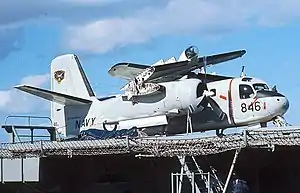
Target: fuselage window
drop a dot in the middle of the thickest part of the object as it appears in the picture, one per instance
(260, 86)
(246, 91)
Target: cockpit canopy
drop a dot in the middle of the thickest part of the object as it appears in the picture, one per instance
(260, 86)
(250, 86)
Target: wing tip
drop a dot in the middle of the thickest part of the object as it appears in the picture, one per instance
(20, 86)
(243, 52)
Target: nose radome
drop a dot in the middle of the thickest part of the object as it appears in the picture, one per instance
(284, 105)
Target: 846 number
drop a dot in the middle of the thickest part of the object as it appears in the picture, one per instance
(252, 107)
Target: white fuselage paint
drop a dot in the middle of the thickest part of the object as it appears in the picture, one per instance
(151, 111)
(74, 105)
(257, 109)
(148, 111)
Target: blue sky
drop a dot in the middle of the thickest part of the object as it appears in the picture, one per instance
(104, 32)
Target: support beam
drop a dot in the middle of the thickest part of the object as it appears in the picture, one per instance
(185, 170)
(231, 169)
(203, 177)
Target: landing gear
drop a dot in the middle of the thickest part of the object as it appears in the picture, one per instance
(220, 134)
(279, 121)
(140, 131)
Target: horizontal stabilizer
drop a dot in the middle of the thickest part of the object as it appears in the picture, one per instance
(53, 96)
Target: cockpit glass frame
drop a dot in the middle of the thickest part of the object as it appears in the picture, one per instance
(246, 91)
(260, 86)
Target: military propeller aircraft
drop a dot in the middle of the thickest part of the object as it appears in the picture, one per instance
(159, 98)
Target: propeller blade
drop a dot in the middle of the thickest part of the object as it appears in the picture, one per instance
(195, 106)
(203, 103)
(216, 108)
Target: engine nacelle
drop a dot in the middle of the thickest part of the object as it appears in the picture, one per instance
(185, 92)
(181, 93)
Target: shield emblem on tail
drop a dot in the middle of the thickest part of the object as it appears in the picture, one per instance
(59, 75)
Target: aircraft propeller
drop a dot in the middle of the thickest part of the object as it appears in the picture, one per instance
(205, 98)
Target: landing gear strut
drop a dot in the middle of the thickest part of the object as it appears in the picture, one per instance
(220, 133)
(279, 121)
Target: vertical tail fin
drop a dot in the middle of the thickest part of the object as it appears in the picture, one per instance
(68, 77)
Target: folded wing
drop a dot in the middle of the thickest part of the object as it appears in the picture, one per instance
(170, 71)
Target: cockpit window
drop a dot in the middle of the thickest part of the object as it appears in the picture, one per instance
(246, 91)
(260, 86)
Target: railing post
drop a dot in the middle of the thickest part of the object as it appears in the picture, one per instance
(231, 169)
(172, 183)
(245, 133)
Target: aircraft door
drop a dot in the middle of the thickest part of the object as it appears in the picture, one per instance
(243, 104)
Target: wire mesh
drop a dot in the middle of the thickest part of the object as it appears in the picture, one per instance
(159, 147)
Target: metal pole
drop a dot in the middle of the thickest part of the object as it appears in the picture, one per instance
(22, 169)
(187, 121)
(172, 183)
(127, 143)
(2, 175)
(182, 172)
(31, 135)
(209, 183)
(245, 137)
(216, 177)
(190, 124)
(15, 133)
(231, 169)
(193, 182)
(177, 184)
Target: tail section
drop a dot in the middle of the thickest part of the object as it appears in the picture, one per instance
(70, 93)
(68, 77)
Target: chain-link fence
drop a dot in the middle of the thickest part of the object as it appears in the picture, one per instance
(156, 146)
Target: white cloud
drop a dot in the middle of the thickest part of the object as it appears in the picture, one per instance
(4, 98)
(63, 10)
(177, 17)
(36, 80)
(56, 13)
(14, 101)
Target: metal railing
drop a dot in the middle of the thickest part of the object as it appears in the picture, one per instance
(14, 129)
(176, 187)
(157, 147)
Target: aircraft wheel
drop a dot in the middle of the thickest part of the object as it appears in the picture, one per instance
(220, 134)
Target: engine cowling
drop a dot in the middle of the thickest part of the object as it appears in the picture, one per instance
(188, 92)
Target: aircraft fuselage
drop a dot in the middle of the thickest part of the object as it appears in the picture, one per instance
(232, 105)
(117, 112)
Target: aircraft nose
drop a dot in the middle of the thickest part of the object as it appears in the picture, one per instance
(282, 105)
(286, 104)
(279, 104)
